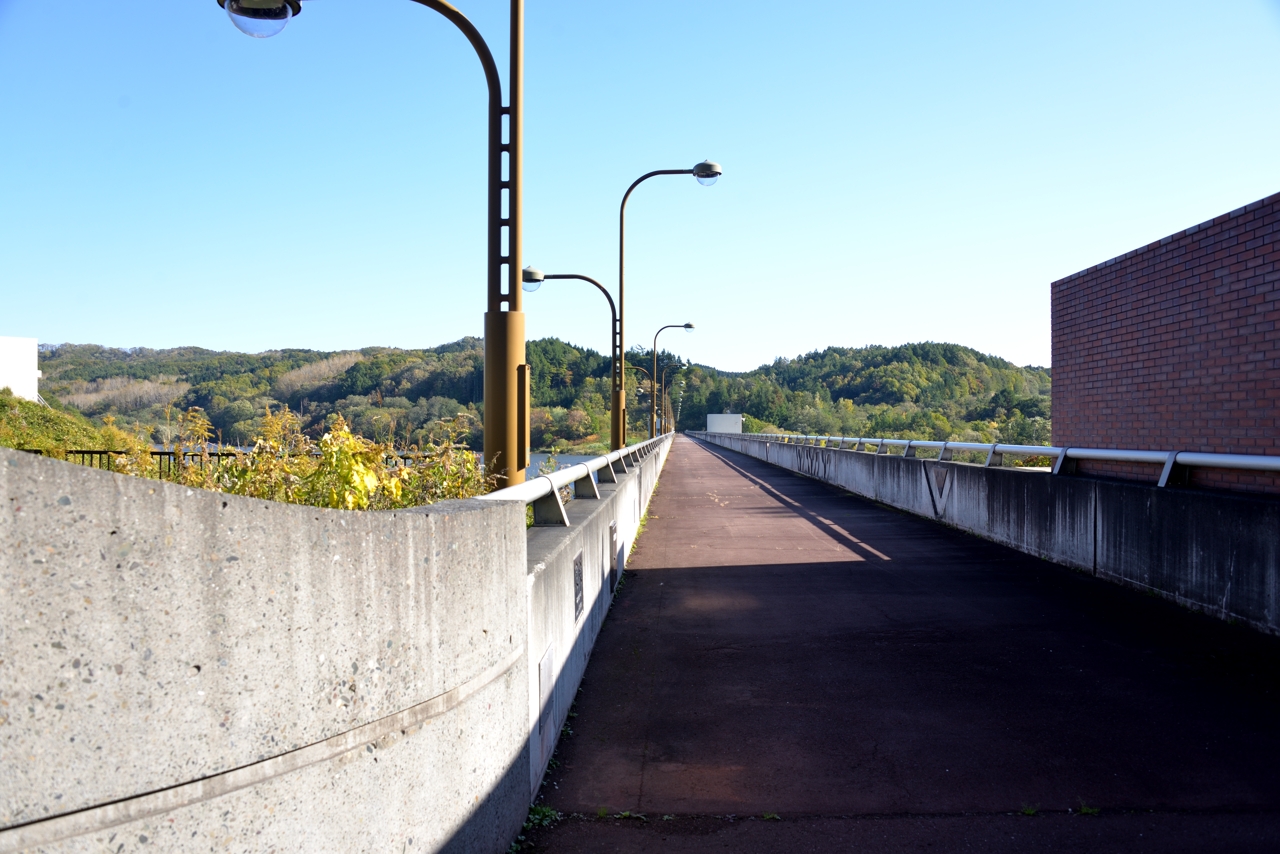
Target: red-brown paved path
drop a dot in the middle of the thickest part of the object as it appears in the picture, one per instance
(883, 683)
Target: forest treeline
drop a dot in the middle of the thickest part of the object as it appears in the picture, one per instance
(924, 391)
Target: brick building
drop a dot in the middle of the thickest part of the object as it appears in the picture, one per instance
(1174, 346)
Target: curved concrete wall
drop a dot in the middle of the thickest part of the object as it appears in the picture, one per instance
(1214, 552)
(191, 670)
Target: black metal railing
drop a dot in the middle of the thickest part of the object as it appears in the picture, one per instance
(167, 461)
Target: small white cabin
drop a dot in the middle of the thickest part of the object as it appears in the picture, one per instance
(20, 367)
(725, 423)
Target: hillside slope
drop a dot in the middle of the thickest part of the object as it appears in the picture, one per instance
(924, 390)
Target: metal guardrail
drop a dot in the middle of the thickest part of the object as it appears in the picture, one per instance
(167, 461)
(543, 492)
(1173, 462)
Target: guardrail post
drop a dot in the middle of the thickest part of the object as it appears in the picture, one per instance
(910, 452)
(606, 474)
(548, 511)
(994, 460)
(945, 454)
(585, 487)
(1062, 465)
(882, 448)
(1173, 474)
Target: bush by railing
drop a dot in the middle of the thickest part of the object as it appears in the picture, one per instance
(342, 470)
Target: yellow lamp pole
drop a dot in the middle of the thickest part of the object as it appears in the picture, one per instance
(662, 389)
(653, 400)
(533, 279)
(706, 172)
(506, 375)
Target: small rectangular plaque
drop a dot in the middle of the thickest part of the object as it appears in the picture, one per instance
(577, 586)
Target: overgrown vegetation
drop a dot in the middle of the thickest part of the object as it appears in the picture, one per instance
(915, 391)
(383, 427)
(55, 430)
(341, 470)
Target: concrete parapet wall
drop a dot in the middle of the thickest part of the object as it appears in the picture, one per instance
(191, 670)
(573, 573)
(1211, 551)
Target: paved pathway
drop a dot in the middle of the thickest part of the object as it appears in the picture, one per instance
(882, 683)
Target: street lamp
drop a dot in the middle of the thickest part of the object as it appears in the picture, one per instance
(653, 402)
(532, 279)
(662, 388)
(706, 172)
(506, 375)
(659, 389)
(653, 386)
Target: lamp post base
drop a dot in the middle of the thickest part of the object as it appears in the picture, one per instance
(506, 397)
(617, 421)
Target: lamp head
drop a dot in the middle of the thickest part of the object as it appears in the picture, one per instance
(707, 172)
(531, 279)
(688, 327)
(260, 19)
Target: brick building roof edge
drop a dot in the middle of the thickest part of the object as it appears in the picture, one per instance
(1252, 206)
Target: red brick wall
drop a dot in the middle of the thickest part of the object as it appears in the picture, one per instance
(1174, 346)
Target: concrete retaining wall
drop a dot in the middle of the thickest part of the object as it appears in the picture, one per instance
(573, 573)
(1211, 551)
(185, 670)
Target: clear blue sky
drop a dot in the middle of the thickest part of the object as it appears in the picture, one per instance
(893, 171)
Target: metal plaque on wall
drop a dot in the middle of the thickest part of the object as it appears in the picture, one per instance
(577, 586)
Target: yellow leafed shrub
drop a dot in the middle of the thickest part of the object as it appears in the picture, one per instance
(342, 471)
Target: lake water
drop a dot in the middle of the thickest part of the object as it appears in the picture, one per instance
(562, 461)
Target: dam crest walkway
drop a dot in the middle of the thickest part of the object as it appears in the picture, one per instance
(790, 668)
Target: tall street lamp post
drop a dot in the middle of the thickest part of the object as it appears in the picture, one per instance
(653, 377)
(653, 387)
(706, 172)
(532, 279)
(662, 390)
(506, 375)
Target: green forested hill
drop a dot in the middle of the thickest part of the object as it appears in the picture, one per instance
(916, 390)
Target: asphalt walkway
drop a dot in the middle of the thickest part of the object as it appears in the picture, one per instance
(789, 668)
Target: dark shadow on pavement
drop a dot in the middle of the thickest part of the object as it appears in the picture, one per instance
(920, 702)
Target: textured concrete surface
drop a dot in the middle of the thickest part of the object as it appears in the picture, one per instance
(1216, 552)
(881, 682)
(152, 635)
(417, 792)
(198, 671)
(561, 636)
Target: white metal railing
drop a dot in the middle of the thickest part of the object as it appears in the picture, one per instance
(1063, 458)
(543, 492)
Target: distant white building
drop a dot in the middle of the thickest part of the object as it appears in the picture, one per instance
(20, 367)
(725, 423)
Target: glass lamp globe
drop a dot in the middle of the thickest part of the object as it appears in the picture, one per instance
(707, 172)
(531, 279)
(260, 19)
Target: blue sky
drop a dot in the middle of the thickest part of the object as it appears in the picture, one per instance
(893, 172)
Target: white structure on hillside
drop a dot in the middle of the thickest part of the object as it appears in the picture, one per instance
(20, 367)
(725, 423)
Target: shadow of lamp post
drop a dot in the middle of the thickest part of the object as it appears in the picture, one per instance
(506, 375)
